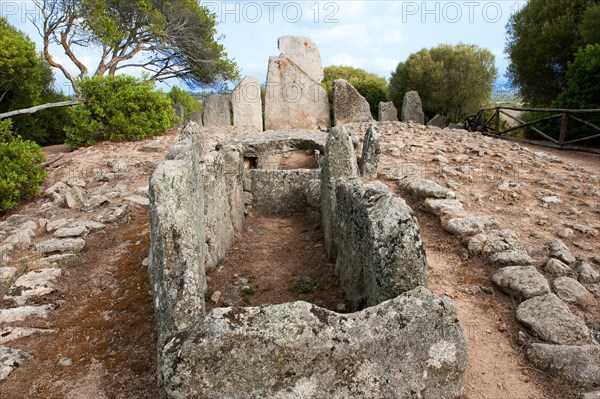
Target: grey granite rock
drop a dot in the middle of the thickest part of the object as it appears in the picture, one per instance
(578, 365)
(552, 320)
(521, 282)
(298, 350)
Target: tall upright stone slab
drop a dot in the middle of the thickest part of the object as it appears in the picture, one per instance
(217, 110)
(348, 105)
(387, 112)
(371, 152)
(339, 163)
(294, 98)
(412, 109)
(247, 104)
(196, 117)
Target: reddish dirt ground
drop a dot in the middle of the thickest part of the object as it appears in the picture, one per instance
(105, 325)
(283, 259)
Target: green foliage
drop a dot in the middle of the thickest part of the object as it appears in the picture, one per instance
(190, 104)
(589, 27)
(23, 74)
(542, 39)
(119, 108)
(583, 90)
(26, 80)
(583, 80)
(372, 87)
(20, 168)
(455, 81)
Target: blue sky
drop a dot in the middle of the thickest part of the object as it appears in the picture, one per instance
(373, 35)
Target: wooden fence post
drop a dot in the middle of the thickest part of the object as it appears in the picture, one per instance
(497, 121)
(564, 122)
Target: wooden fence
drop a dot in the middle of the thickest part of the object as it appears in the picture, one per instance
(37, 108)
(491, 126)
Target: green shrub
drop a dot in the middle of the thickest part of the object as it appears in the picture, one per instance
(190, 104)
(20, 168)
(119, 108)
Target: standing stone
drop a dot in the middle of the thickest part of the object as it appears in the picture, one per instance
(304, 53)
(247, 104)
(196, 117)
(387, 112)
(339, 162)
(176, 259)
(380, 251)
(179, 111)
(412, 110)
(294, 98)
(371, 152)
(348, 105)
(217, 110)
(437, 121)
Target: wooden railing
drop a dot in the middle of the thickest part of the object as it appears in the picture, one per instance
(37, 108)
(492, 126)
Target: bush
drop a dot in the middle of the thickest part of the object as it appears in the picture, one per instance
(582, 92)
(190, 104)
(455, 81)
(119, 108)
(20, 168)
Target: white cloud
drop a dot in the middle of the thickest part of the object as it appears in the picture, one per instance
(385, 65)
(349, 60)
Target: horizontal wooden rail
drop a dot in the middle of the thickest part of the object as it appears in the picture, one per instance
(42, 107)
(491, 126)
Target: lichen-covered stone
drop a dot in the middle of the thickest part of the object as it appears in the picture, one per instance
(246, 103)
(387, 112)
(560, 251)
(60, 245)
(441, 207)
(511, 258)
(10, 359)
(339, 162)
(176, 260)
(348, 105)
(32, 284)
(280, 192)
(423, 189)
(468, 226)
(293, 98)
(497, 240)
(371, 152)
(570, 290)
(304, 53)
(587, 274)
(555, 267)
(380, 251)
(553, 321)
(578, 365)
(411, 346)
(438, 121)
(521, 282)
(217, 110)
(313, 194)
(412, 110)
(218, 213)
